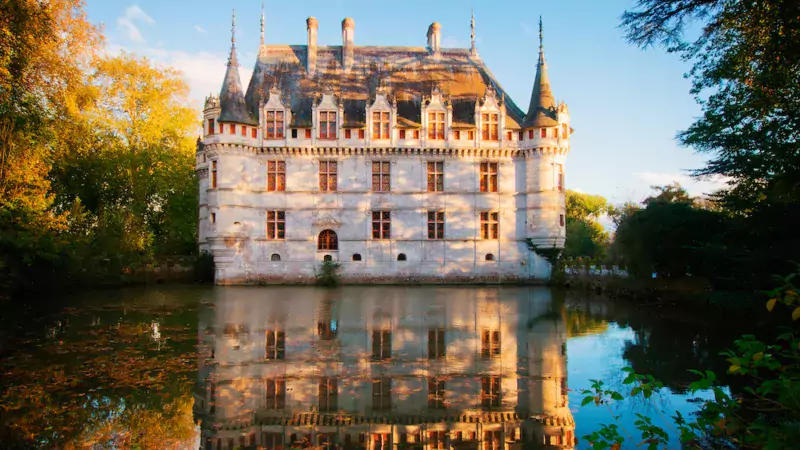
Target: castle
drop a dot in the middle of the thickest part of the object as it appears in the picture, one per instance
(369, 368)
(395, 163)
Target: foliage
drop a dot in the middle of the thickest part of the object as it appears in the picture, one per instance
(328, 273)
(672, 238)
(585, 236)
(746, 77)
(766, 416)
(96, 162)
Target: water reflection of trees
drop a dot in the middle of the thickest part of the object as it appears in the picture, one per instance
(103, 376)
(499, 382)
(666, 349)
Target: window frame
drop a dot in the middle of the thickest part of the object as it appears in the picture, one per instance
(490, 225)
(489, 176)
(435, 176)
(382, 394)
(328, 394)
(436, 125)
(275, 225)
(327, 124)
(211, 126)
(276, 175)
(560, 177)
(490, 126)
(381, 224)
(275, 393)
(328, 175)
(274, 344)
(383, 182)
(381, 344)
(437, 343)
(278, 125)
(491, 343)
(381, 125)
(327, 241)
(436, 393)
(435, 225)
(491, 397)
(214, 174)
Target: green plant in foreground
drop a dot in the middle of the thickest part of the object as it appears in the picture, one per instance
(765, 415)
(328, 273)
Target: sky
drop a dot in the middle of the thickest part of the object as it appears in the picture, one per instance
(626, 104)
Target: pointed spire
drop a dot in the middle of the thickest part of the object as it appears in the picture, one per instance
(262, 23)
(231, 96)
(473, 50)
(542, 109)
(232, 58)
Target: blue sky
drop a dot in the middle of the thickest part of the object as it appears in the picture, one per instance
(626, 104)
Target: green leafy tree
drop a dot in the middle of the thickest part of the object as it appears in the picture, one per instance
(746, 77)
(586, 237)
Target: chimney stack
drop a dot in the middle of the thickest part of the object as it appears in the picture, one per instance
(435, 38)
(311, 57)
(348, 31)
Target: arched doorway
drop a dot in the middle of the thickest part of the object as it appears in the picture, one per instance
(327, 240)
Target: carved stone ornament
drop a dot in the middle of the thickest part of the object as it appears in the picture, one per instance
(326, 220)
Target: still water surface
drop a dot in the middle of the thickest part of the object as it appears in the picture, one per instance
(373, 368)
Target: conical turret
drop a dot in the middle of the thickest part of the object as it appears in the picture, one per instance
(231, 97)
(542, 109)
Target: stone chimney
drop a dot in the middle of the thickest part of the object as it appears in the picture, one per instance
(311, 57)
(435, 38)
(348, 50)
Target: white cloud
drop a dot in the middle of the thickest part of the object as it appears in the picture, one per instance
(202, 71)
(128, 22)
(693, 186)
(199, 29)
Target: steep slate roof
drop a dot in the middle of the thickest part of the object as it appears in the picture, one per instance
(231, 96)
(409, 73)
(542, 109)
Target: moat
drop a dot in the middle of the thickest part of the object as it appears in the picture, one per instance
(374, 368)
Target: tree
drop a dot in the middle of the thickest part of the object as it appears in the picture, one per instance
(746, 76)
(136, 172)
(585, 236)
(670, 193)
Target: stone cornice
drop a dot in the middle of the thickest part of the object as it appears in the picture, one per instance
(333, 152)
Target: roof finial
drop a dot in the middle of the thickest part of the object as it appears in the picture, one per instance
(541, 35)
(233, 28)
(262, 22)
(473, 50)
(232, 61)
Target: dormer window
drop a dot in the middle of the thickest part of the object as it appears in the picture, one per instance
(436, 125)
(380, 125)
(275, 124)
(327, 125)
(489, 126)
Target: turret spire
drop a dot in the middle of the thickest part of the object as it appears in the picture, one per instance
(262, 23)
(541, 36)
(231, 96)
(232, 58)
(542, 109)
(473, 50)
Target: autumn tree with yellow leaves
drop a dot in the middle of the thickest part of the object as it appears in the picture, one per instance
(96, 154)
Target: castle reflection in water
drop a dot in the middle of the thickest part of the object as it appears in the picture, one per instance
(384, 368)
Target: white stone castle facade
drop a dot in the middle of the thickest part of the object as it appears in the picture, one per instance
(399, 163)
